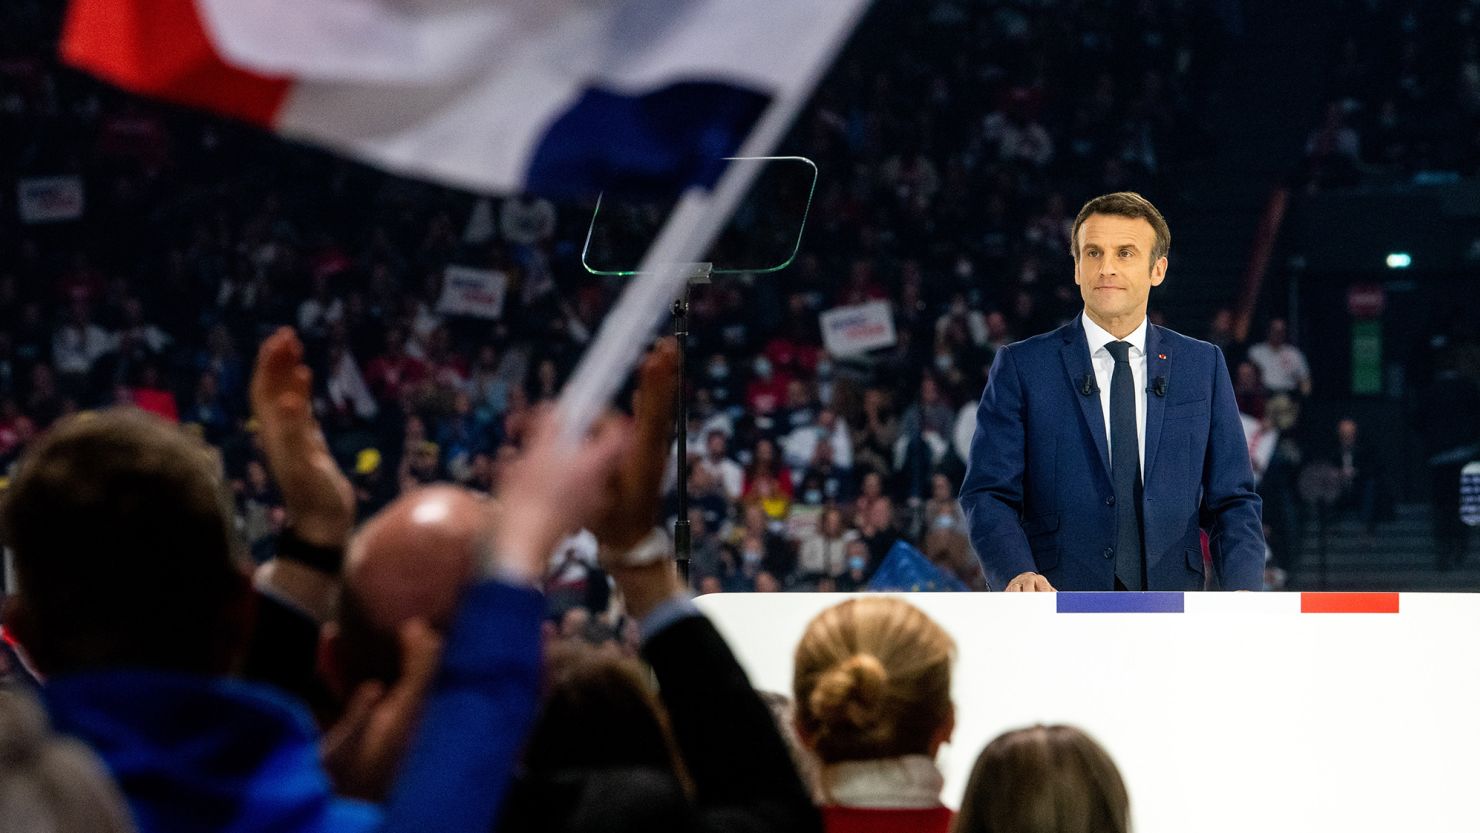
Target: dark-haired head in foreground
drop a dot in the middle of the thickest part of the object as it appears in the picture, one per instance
(123, 550)
(1044, 779)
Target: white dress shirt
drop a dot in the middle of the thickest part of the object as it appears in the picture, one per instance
(1283, 369)
(1262, 440)
(1104, 364)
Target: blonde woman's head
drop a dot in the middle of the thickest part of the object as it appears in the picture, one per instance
(872, 679)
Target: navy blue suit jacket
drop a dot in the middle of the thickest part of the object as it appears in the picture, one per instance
(1038, 495)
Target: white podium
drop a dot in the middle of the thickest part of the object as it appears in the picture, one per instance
(1226, 712)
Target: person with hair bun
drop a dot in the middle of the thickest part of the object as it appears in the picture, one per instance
(872, 685)
(1044, 779)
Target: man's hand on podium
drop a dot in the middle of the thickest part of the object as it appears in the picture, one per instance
(1030, 583)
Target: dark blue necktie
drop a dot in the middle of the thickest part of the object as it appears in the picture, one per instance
(1125, 470)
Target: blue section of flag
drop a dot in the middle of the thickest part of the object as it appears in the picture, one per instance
(1120, 602)
(650, 145)
(907, 569)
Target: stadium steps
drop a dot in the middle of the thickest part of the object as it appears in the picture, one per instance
(1399, 555)
(1269, 94)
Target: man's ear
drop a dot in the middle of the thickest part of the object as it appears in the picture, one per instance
(329, 663)
(1158, 271)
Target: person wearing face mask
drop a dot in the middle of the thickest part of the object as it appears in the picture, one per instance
(942, 512)
(945, 542)
(759, 532)
(811, 493)
(856, 573)
(947, 368)
(835, 481)
(718, 382)
(824, 550)
(754, 570)
(825, 383)
(766, 393)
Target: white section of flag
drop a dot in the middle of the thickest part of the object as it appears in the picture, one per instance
(693, 225)
(461, 92)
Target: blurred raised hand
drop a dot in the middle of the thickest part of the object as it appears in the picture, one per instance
(552, 489)
(364, 749)
(319, 499)
(633, 492)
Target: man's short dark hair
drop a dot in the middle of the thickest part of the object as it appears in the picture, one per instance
(1125, 204)
(123, 547)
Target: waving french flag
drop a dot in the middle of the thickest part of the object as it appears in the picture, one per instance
(559, 97)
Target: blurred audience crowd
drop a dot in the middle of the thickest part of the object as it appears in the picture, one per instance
(953, 158)
(399, 673)
(238, 356)
(1404, 93)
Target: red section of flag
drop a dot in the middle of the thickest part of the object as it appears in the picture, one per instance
(161, 48)
(1348, 602)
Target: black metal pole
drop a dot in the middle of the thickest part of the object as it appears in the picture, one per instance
(682, 546)
(1321, 519)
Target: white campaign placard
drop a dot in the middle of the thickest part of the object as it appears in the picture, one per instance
(848, 331)
(49, 199)
(1240, 714)
(476, 292)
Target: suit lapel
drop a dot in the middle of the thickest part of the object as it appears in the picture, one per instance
(1158, 366)
(1076, 364)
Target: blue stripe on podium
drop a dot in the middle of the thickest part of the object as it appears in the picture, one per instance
(1120, 602)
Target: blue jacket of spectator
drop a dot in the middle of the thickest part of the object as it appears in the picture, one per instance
(194, 753)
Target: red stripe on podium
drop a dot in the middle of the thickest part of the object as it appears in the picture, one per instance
(1348, 602)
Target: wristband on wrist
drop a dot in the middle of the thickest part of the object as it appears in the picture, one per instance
(650, 550)
(328, 559)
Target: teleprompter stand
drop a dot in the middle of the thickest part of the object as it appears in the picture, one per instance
(682, 531)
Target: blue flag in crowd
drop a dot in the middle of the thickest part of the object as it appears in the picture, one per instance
(907, 569)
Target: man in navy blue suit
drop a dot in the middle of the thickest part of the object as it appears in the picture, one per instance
(1102, 447)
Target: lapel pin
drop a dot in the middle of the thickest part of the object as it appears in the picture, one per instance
(1162, 356)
